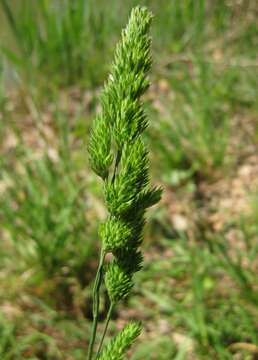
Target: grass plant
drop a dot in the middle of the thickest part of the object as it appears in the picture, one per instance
(209, 306)
(197, 295)
(74, 36)
(49, 36)
(118, 155)
(195, 137)
(44, 212)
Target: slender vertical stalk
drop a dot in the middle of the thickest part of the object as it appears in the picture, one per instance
(96, 289)
(108, 318)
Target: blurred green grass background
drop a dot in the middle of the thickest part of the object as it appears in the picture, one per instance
(198, 293)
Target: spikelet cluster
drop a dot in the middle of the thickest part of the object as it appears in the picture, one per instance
(121, 343)
(118, 154)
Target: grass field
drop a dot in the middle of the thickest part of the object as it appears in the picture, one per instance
(197, 296)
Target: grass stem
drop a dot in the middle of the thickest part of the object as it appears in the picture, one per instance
(96, 289)
(108, 318)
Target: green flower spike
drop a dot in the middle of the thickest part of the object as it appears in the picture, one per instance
(121, 343)
(118, 155)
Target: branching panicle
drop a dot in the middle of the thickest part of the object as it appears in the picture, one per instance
(117, 149)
